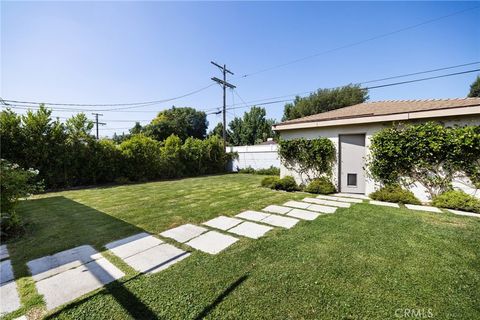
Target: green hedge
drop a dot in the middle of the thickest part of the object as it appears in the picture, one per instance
(66, 154)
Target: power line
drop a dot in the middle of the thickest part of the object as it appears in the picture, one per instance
(363, 82)
(353, 44)
(366, 88)
(254, 102)
(122, 106)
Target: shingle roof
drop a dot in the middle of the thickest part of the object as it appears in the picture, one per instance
(388, 107)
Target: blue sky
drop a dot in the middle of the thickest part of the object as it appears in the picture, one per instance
(119, 52)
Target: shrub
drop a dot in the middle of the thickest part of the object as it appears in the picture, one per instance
(272, 171)
(321, 186)
(311, 158)
(15, 183)
(269, 182)
(394, 193)
(286, 183)
(428, 153)
(248, 169)
(141, 158)
(67, 154)
(455, 199)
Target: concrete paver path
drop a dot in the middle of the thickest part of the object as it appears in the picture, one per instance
(212, 242)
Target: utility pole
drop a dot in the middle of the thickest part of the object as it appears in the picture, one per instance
(224, 84)
(96, 121)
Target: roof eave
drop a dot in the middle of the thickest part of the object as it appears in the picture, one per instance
(457, 111)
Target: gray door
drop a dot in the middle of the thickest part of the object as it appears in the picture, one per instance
(352, 163)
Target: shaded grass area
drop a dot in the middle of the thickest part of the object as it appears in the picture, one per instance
(364, 262)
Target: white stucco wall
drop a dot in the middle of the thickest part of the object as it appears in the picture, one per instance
(257, 157)
(369, 130)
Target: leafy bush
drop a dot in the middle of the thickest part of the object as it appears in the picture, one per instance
(455, 199)
(15, 183)
(311, 158)
(248, 170)
(394, 193)
(286, 183)
(320, 186)
(269, 182)
(272, 171)
(141, 156)
(428, 153)
(67, 154)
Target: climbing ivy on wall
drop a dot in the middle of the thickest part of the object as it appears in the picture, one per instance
(311, 158)
(429, 153)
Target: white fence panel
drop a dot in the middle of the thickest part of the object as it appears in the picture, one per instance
(257, 157)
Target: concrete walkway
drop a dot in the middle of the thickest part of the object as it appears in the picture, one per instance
(9, 299)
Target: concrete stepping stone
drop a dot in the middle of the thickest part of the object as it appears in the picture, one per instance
(297, 204)
(6, 271)
(184, 232)
(4, 252)
(280, 221)
(277, 209)
(464, 213)
(351, 200)
(384, 203)
(252, 215)
(21, 318)
(303, 214)
(351, 195)
(327, 202)
(223, 223)
(73, 283)
(48, 266)
(423, 208)
(135, 244)
(250, 230)
(146, 253)
(320, 208)
(9, 299)
(271, 219)
(212, 242)
(311, 207)
(156, 258)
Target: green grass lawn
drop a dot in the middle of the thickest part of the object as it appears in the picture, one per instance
(364, 262)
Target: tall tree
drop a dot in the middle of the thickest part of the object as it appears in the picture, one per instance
(182, 122)
(324, 100)
(218, 131)
(475, 88)
(253, 128)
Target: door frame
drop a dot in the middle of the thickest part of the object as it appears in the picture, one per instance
(340, 156)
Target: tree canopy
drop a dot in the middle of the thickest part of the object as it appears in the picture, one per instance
(182, 122)
(475, 88)
(324, 100)
(253, 128)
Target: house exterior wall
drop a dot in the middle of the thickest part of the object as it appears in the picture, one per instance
(369, 130)
(257, 157)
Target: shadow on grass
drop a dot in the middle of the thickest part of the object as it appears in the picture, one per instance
(56, 224)
(205, 312)
(130, 303)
